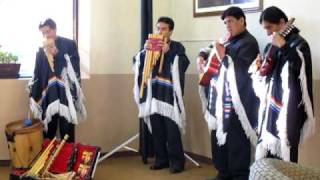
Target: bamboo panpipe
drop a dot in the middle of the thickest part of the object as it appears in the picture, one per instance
(50, 60)
(39, 163)
(162, 57)
(53, 156)
(49, 43)
(151, 57)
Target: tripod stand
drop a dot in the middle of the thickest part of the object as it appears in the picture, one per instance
(124, 145)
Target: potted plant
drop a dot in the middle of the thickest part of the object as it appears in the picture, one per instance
(9, 68)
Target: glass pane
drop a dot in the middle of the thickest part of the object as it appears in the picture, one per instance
(19, 32)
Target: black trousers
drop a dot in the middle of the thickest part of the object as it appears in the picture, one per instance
(64, 126)
(145, 142)
(167, 142)
(232, 160)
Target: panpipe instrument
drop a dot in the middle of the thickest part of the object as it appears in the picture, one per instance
(41, 166)
(55, 153)
(40, 162)
(267, 65)
(153, 53)
(212, 66)
(162, 56)
(49, 43)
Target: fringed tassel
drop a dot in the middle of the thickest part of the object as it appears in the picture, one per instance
(238, 106)
(30, 84)
(35, 109)
(204, 100)
(152, 105)
(211, 121)
(79, 103)
(268, 141)
(309, 126)
(210, 118)
(180, 118)
(145, 107)
(259, 85)
(72, 110)
(56, 108)
(159, 107)
(283, 115)
(147, 121)
(258, 82)
(261, 152)
(136, 67)
(272, 143)
(163, 108)
(220, 134)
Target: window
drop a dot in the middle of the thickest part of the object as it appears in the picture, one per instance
(19, 32)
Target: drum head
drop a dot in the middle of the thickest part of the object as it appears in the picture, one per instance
(18, 127)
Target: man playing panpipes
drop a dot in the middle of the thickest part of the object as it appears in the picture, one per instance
(158, 92)
(55, 93)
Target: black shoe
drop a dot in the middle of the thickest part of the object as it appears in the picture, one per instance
(158, 167)
(176, 170)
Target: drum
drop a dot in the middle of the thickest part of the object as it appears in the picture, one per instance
(24, 141)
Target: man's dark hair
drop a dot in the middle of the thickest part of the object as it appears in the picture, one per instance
(168, 21)
(235, 12)
(48, 22)
(273, 15)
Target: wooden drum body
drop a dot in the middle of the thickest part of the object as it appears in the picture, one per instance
(24, 142)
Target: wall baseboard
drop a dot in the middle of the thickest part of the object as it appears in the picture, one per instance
(4, 162)
(121, 154)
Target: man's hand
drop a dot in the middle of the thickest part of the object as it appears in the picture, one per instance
(50, 47)
(164, 46)
(52, 50)
(201, 63)
(258, 61)
(278, 40)
(256, 65)
(146, 45)
(221, 51)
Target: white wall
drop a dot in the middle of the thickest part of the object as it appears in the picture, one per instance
(115, 35)
(84, 36)
(161, 8)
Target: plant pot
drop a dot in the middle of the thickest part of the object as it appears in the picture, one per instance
(9, 70)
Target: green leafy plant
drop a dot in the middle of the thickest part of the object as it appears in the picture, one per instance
(8, 58)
